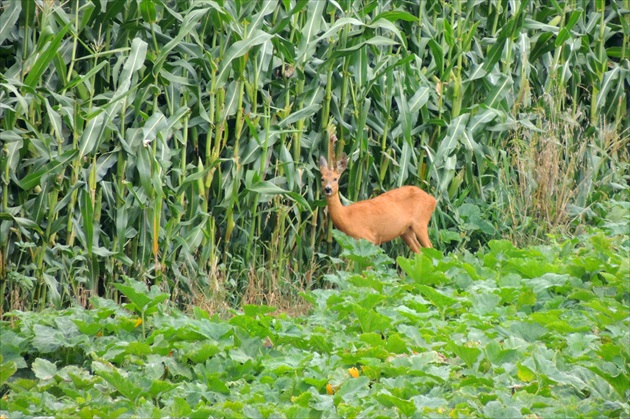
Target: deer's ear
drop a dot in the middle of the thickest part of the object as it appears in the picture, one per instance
(323, 164)
(342, 163)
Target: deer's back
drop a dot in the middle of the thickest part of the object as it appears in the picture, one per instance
(407, 197)
(394, 207)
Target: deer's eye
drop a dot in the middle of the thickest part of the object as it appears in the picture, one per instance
(335, 180)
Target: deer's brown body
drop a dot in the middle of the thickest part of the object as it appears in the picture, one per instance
(404, 212)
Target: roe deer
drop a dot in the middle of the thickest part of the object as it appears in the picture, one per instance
(402, 212)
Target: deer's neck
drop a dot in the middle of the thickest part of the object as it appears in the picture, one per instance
(337, 212)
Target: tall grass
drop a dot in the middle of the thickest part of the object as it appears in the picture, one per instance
(176, 142)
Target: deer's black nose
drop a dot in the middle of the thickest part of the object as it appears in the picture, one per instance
(328, 190)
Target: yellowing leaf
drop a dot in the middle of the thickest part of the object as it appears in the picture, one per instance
(525, 374)
(329, 389)
(371, 373)
(138, 322)
(353, 372)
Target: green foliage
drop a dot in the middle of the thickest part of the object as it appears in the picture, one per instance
(450, 337)
(176, 142)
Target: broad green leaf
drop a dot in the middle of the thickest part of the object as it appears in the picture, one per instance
(484, 303)
(253, 327)
(396, 344)
(140, 296)
(480, 120)
(440, 300)
(55, 121)
(495, 409)
(360, 251)
(255, 310)
(552, 26)
(448, 33)
(565, 33)
(87, 214)
(438, 56)
(320, 343)
(238, 49)
(266, 187)
(620, 382)
(386, 24)
(180, 408)
(381, 41)
(7, 369)
(126, 388)
(21, 221)
(361, 66)
(419, 99)
(420, 268)
(33, 179)
(269, 188)
(498, 356)
(190, 20)
(193, 239)
(309, 30)
(494, 54)
(476, 72)
(159, 387)
(148, 11)
(468, 354)
(394, 15)
(385, 70)
(455, 132)
(301, 114)
(525, 374)
(372, 339)
(609, 80)
(91, 134)
(285, 48)
(104, 164)
(354, 389)
(47, 339)
(616, 52)
(44, 369)
(528, 331)
(370, 320)
(45, 56)
(406, 407)
(201, 353)
(155, 125)
(8, 19)
(338, 25)
(542, 46)
(500, 89)
(192, 178)
(267, 8)
(133, 63)
(103, 252)
(144, 164)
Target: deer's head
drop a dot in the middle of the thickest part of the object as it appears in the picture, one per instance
(330, 177)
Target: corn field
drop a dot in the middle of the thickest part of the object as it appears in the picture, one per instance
(176, 141)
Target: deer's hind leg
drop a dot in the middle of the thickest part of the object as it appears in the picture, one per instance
(410, 239)
(422, 231)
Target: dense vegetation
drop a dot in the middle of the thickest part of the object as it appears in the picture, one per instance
(159, 182)
(504, 333)
(176, 141)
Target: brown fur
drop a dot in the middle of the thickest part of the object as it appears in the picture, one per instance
(404, 212)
